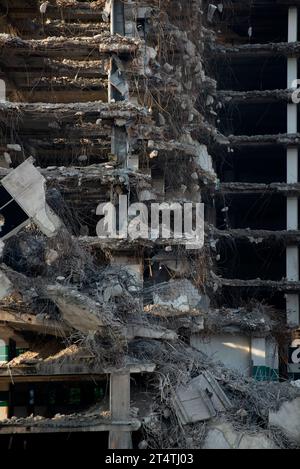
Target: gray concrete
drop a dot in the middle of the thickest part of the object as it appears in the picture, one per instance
(287, 419)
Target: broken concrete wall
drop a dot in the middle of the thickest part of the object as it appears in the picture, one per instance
(27, 187)
(233, 350)
(251, 356)
(177, 294)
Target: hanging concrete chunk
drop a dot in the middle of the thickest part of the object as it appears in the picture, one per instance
(26, 186)
(77, 310)
(117, 80)
(200, 400)
(6, 287)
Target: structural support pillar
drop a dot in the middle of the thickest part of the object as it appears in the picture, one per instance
(120, 409)
(292, 252)
(258, 358)
(118, 89)
(2, 91)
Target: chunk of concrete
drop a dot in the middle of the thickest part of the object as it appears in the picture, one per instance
(118, 81)
(181, 295)
(26, 186)
(200, 400)
(112, 292)
(215, 439)
(287, 419)
(259, 441)
(150, 332)
(78, 311)
(6, 287)
(222, 435)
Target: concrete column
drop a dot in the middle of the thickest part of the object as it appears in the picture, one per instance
(258, 358)
(292, 213)
(120, 409)
(2, 91)
(264, 356)
(292, 252)
(292, 309)
(117, 17)
(292, 118)
(119, 144)
(292, 71)
(5, 160)
(118, 88)
(292, 263)
(292, 166)
(293, 24)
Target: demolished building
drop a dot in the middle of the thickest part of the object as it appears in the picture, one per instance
(146, 342)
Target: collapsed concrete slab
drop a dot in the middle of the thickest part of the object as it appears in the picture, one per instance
(86, 315)
(27, 187)
(150, 332)
(78, 310)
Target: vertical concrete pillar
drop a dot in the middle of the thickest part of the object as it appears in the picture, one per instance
(120, 409)
(119, 141)
(264, 357)
(292, 252)
(258, 358)
(5, 160)
(292, 213)
(119, 144)
(2, 91)
(292, 309)
(117, 25)
(292, 167)
(293, 24)
(292, 71)
(292, 263)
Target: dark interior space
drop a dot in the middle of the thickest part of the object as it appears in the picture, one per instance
(232, 297)
(265, 212)
(51, 398)
(253, 119)
(58, 153)
(246, 74)
(12, 215)
(59, 442)
(266, 27)
(254, 165)
(243, 260)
